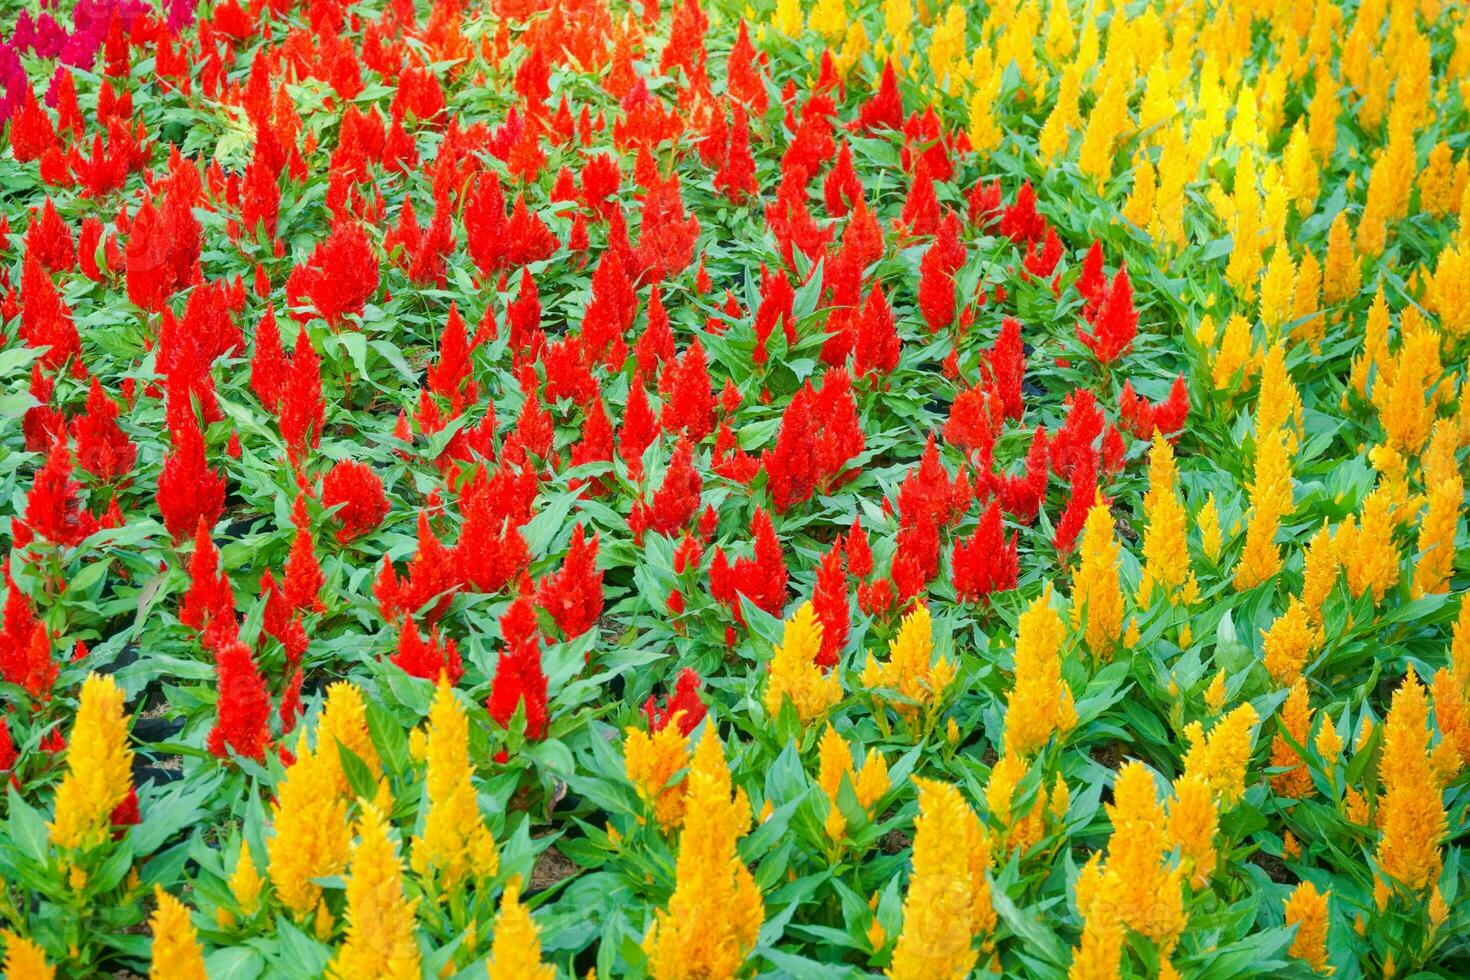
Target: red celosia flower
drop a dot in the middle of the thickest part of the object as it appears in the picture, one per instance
(573, 595)
(303, 580)
(451, 377)
(188, 488)
(985, 562)
(268, 366)
(303, 409)
(683, 707)
(45, 320)
(103, 449)
(936, 290)
(1020, 222)
(1116, 322)
(677, 497)
(736, 177)
(1143, 418)
(1021, 495)
(975, 419)
(429, 658)
(1082, 496)
(689, 398)
(53, 511)
(50, 240)
(920, 216)
(358, 492)
(519, 678)
(876, 347)
(1075, 441)
(164, 244)
(1006, 363)
(209, 597)
(31, 132)
(743, 80)
(434, 573)
(830, 601)
(491, 552)
(242, 724)
(761, 578)
(340, 276)
(841, 188)
(884, 108)
(1092, 283)
(857, 552)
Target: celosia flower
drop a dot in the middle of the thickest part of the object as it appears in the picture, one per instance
(1295, 720)
(176, 952)
(714, 916)
(1040, 702)
(519, 677)
(1193, 822)
(312, 833)
(24, 958)
(834, 762)
(1097, 596)
(795, 674)
(1410, 809)
(242, 724)
(651, 761)
(99, 773)
(911, 669)
(1166, 556)
(948, 902)
(1306, 908)
(455, 843)
(515, 953)
(1271, 499)
(246, 883)
(1222, 758)
(343, 722)
(573, 595)
(380, 920)
(1289, 642)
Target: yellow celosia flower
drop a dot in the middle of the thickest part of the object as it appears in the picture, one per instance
(380, 920)
(794, 672)
(1306, 908)
(1367, 550)
(455, 844)
(1271, 499)
(715, 913)
(1099, 897)
(1445, 488)
(908, 669)
(99, 767)
(834, 761)
(1411, 811)
(1276, 287)
(1232, 362)
(1448, 294)
(828, 18)
(1193, 821)
(1319, 572)
(1017, 831)
(1289, 642)
(1437, 182)
(1295, 719)
(948, 902)
(515, 953)
(1221, 757)
(1040, 702)
(1208, 520)
(1306, 302)
(787, 17)
(344, 720)
(24, 958)
(1151, 894)
(1278, 404)
(1106, 124)
(246, 883)
(312, 834)
(1097, 597)
(1341, 275)
(176, 953)
(1165, 553)
(651, 762)
(1056, 132)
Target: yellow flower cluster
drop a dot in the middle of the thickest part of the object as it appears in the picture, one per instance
(715, 913)
(795, 673)
(380, 920)
(99, 767)
(1097, 595)
(911, 668)
(651, 762)
(455, 844)
(948, 903)
(835, 766)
